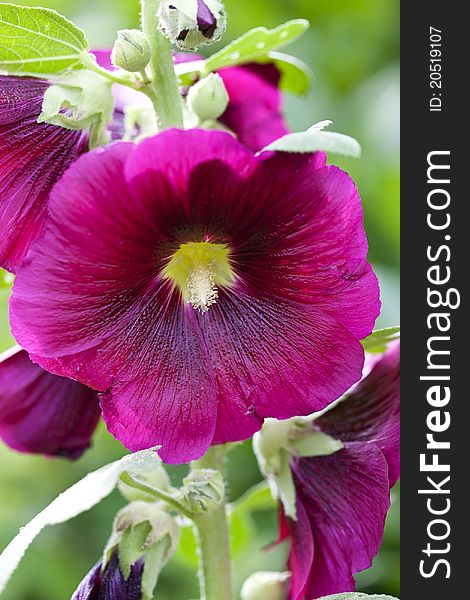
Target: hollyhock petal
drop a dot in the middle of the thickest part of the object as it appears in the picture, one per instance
(302, 550)
(371, 412)
(111, 584)
(319, 252)
(254, 112)
(93, 282)
(88, 588)
(34, 156)
(43, 413)
(176, 154)
(169, 396)
(294, 363)
(346, 497)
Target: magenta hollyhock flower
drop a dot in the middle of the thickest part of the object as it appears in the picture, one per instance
(34, 156)
(255, 109)
(42, 413)
(200, 287)
(343, 498)
(111, 584)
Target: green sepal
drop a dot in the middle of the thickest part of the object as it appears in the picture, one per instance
(142, 530)
(202, 490)
(80, 100)
(316, 443)
(316, 140)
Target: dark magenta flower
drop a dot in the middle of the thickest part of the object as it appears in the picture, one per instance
(111, 584)
(343, 498)
(34, 156)
(43, 413)
(255, 109)
(200, 287)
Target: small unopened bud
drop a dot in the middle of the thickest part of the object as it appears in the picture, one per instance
(202, 490)
(265, 585)
(156, 479)
(208, 99)
(192, 23)
(131, 51)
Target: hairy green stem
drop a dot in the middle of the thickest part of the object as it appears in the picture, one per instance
(163, 88)
(212, 527)
(157, 494)
(89, 62)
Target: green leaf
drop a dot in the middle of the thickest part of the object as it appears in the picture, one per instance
(241, 523)
(315, 140)
(357, 596)
(378, 340)
(6, 339)
(257, 498)
(77, 499)
(255, 44)
(296, 76)
(38, 41)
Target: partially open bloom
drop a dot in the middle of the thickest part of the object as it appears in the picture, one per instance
(192, 23)
(342, 497)
(34, 157)
(43, 413)
(200, 287)
(110, 583)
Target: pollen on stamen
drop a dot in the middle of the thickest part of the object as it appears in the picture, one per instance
(201, 289)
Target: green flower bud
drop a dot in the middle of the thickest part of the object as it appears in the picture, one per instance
(192, 23)
(143, 532)
(202, 490)
(208, 98)
(131, 51)
(157, 479)
(265, 585)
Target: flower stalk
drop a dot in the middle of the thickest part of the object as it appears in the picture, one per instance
(212, 527)
(163, 88)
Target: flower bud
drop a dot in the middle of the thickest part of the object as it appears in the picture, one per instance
(208, 98)
(156, 479)
(265, 585)
(131, 51)
(144, 539)
(202, 490)
(192, 23)
(109, 582)
(141, 527)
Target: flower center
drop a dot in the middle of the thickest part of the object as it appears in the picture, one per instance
(198, 269)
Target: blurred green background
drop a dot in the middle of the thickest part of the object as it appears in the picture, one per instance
(353, 48)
